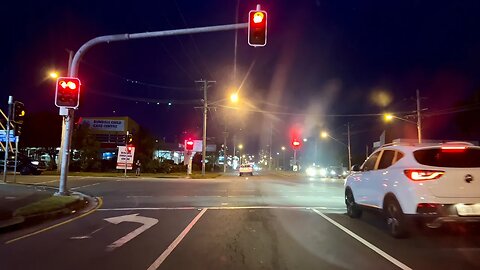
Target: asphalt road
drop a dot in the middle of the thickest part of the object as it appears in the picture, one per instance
(260, 222)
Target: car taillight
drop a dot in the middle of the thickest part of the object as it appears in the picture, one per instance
(422, 175)
(453, 149)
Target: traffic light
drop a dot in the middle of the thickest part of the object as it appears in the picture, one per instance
(18, 129)
(18, 112)
(295, 144)
(257, 28)
(67, 92)
(189, 145)
(129, 138)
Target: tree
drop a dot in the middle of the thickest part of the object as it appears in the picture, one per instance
(87, 158)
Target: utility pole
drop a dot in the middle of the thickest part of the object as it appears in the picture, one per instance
(419, 118)
(225, 134)
(270, 148)
(205, 110)
(349, 148)
(7, 137)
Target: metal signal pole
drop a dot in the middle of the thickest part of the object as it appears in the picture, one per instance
(69, 113)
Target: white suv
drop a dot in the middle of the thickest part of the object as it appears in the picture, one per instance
(433, 184)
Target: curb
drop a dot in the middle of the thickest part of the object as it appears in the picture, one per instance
(17, 222)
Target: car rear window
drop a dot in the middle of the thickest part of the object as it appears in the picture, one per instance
(465, 158)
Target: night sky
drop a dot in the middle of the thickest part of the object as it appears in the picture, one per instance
(324, 60)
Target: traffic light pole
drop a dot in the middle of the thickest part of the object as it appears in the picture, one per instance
(69, 113)
(7, 137)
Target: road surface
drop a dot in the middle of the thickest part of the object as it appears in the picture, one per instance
(268, 221)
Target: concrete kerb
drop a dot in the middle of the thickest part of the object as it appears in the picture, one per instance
(84, 202)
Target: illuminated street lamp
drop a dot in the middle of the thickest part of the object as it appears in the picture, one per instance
(305, 139)
(53, 75)
(324, 135)
(234, 97)
(388, 117)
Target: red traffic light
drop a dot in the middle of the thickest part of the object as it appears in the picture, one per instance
(295, 144)
(189, 145)
(67, 92)
(257, 28)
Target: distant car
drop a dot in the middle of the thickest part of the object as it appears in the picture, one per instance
(316, 171)
(426, 184)
(246, 169)
(25, 165)
(337, 172)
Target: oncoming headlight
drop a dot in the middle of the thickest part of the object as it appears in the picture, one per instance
(311, 171)
(35, 162)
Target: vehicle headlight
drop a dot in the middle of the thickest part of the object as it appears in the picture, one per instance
(35, 162)
(332, 172)
(311, 171)
(323, 172)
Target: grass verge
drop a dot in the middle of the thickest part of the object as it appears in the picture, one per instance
(45, 206)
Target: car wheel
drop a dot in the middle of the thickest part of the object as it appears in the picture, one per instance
(352, 208)
(396, 221)
(240, 174)
(37, 172)
(251, 174)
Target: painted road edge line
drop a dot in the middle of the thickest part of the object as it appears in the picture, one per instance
(100, 202)
(175, 242)
(363, 241)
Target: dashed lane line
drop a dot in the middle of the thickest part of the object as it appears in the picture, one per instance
(363, 241)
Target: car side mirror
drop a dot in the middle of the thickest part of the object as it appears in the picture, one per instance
(356, 168)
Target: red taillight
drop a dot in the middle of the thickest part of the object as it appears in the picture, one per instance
(422, 175)
(453, 149)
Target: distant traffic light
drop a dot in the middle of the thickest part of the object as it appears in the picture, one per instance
(129, 138)
(67, 92)
(189, 145)
(257, 28)
(295, 144)
(18, 129)
(18, 112)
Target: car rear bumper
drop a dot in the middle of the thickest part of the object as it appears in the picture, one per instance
(443, 213)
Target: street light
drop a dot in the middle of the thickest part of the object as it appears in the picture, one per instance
(234, 97)
(325, 135)
(388, 117)
(53, 74)
(305, 139)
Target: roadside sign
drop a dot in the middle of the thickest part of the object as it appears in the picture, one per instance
(3, 136)
(125, 154)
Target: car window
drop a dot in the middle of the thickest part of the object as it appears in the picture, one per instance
(386, 160)
(438, 157)
(370, 163)
(398, 155)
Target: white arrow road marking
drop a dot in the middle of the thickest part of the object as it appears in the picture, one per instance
(146, 221)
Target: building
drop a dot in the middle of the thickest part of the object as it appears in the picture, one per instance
(110, 132)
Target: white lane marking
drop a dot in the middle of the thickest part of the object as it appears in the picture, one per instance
(146, 222)
(46, 182)
(363, 241)
(220, 208)
(139, 196)
(90, 185)
(175, 242)
(147, 208)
